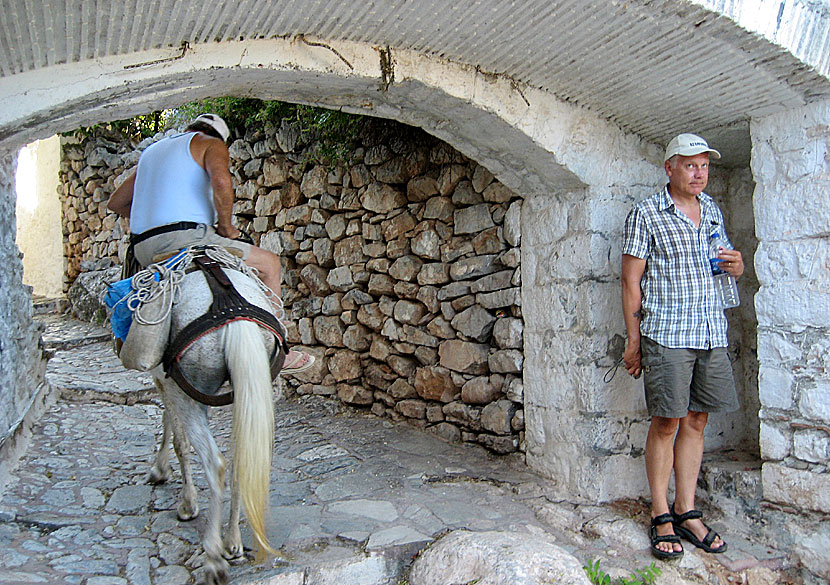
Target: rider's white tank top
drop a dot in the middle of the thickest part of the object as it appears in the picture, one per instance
(170, 186)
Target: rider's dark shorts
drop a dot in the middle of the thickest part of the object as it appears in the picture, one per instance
(149, 249)
(678, 381)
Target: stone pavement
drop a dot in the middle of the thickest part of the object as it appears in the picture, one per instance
(353, 497)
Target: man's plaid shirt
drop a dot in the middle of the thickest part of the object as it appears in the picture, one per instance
(680, 308)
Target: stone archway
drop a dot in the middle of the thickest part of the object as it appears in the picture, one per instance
(553, 154)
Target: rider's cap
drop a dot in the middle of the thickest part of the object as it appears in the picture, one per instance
(689, 145)
(216, 123)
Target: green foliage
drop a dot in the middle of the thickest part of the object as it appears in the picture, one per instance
(137, 128)
(644, 576)
(330, 133)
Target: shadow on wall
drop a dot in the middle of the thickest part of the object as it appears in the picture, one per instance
(732, 189)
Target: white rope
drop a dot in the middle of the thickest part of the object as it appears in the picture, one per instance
(163, 279)
(159, 280)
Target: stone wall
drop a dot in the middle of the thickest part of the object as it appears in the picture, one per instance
(401, 269)
(93, 236)
(22, 366)
(791, 165)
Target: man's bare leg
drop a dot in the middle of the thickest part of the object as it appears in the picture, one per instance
(270, 271)
(659, 464)
(269, 267)
(688, 454)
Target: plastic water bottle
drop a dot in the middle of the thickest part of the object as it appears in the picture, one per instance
(725, 284)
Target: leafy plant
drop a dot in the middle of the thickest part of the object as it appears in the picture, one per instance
(645, 576)
(331, 133)
(137, 128)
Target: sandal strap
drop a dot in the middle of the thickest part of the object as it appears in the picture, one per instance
(690, 515)
(662, 519)
(710, 537)
(672, 538)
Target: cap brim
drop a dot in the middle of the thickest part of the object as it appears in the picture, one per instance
(694, 151)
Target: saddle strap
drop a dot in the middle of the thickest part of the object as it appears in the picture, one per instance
(228, 305)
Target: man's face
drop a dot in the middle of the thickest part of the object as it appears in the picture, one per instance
(689, 174)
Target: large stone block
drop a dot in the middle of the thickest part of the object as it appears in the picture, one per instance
(406, 268)
(497, 416)
(382, 198)
(474, 219)
(341, 279)
(776, 387)
(775, 444)
(479, 390)
(508, 333)
(475, 323)
(812, 445)
(435, 383)
(506, 361)
(794, 305)
(777, 218)
(815, 401)
(796, 487)
(398, 225)
(793, 261)
(329, 331)
(464, 356)
(345, 365)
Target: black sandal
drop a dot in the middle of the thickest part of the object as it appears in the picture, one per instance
(711, 535)
(657, 539)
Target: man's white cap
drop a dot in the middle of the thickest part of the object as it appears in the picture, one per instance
(216, 123)
(689, 145)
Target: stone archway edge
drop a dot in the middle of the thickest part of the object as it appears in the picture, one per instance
(542, 147)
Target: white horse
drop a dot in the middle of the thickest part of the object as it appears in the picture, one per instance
(242, 350)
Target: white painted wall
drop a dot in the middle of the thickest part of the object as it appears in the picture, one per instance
(791, 164)
(39, 232)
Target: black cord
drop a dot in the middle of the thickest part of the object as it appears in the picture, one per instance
(612, 371)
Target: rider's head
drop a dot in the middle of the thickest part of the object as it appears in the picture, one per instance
(210, 124)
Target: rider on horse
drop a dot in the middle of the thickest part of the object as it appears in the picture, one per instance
(182, 188)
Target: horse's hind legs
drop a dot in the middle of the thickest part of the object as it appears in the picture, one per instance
(191, 418)
(160, 470)
(233, 537)
(188, 508)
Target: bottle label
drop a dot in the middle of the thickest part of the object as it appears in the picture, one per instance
(715, 263)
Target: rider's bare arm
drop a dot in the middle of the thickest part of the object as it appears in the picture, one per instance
(121, 200)
(216, 160)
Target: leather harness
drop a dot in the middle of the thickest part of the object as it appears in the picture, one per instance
(228, 305)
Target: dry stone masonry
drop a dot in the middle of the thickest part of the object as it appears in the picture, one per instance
(401, 268)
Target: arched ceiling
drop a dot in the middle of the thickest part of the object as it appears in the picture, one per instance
(653, 67)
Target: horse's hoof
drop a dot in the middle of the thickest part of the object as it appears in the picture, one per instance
(157, 476)
(186, 513)
(217, 575)
(233, 552)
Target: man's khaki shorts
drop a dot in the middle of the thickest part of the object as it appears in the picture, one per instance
(679, 381)
(146, 251)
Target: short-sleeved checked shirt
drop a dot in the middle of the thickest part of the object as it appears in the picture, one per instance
(679, 307)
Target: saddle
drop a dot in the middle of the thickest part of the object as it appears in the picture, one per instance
(228, 305)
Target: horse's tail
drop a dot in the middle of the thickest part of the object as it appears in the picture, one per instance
(253, 424)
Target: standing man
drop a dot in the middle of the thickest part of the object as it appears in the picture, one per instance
(181, 189)
(677, 337)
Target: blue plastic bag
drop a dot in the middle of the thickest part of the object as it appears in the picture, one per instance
(118, 299)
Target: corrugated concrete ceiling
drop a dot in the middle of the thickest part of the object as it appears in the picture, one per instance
(654, 67)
